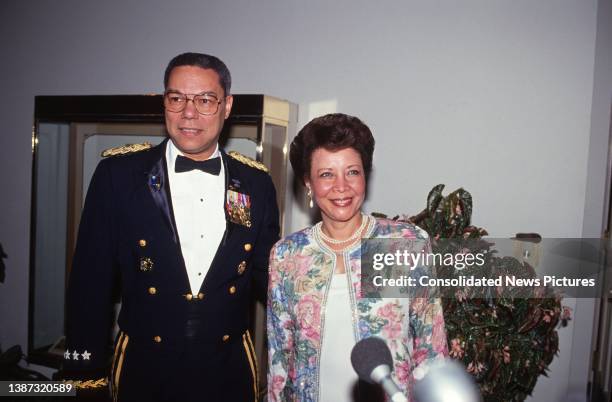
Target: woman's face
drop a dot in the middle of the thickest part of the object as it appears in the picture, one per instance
(337, 181)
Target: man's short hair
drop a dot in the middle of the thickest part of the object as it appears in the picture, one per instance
(204, 61)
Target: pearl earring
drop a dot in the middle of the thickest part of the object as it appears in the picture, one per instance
(310, 204)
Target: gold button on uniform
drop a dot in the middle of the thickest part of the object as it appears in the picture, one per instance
(225, 338)
(152, 290)
(232, 290)
(200, 296)
(142, 243)
(157, 339)
(247, 247)
(188, 296)
(241, 267)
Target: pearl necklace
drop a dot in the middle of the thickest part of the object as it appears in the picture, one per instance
(365, 219)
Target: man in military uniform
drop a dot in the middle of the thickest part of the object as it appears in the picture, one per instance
(187, 229)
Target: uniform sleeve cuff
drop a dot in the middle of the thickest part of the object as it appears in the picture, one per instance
(88, 384)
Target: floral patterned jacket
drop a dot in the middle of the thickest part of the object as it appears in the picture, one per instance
(301, 268)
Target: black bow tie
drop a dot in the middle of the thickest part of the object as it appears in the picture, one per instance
(183, 164)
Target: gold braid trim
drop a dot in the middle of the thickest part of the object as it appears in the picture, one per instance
(88, 384)
(248, 161)
(126, 149)
(252, 364)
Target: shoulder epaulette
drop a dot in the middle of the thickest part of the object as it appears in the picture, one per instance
(248, 161)
(126, 149)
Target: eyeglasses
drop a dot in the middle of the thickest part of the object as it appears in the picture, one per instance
(206, 104)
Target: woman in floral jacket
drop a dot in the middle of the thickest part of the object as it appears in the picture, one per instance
(316, 309)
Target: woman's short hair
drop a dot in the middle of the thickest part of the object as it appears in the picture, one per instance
(332, 132)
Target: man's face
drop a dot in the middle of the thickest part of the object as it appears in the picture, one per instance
(194, 134)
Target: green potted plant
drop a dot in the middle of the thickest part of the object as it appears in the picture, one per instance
(505, 342)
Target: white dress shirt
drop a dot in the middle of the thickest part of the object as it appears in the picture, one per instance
(197, 202)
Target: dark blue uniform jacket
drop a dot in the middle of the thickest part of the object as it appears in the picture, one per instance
(127, 233)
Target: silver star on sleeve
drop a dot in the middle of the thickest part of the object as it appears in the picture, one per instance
(86, 355)
(67, 355)
(75, 355)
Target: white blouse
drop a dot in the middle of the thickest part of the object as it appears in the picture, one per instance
(338, 380)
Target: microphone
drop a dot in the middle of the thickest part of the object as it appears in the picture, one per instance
(371, 359)
(445, 381)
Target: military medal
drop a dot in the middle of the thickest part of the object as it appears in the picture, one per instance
(146, 264)
(238, 207)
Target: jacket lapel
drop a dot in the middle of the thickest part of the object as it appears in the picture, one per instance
(157, 182)
(229, 226)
